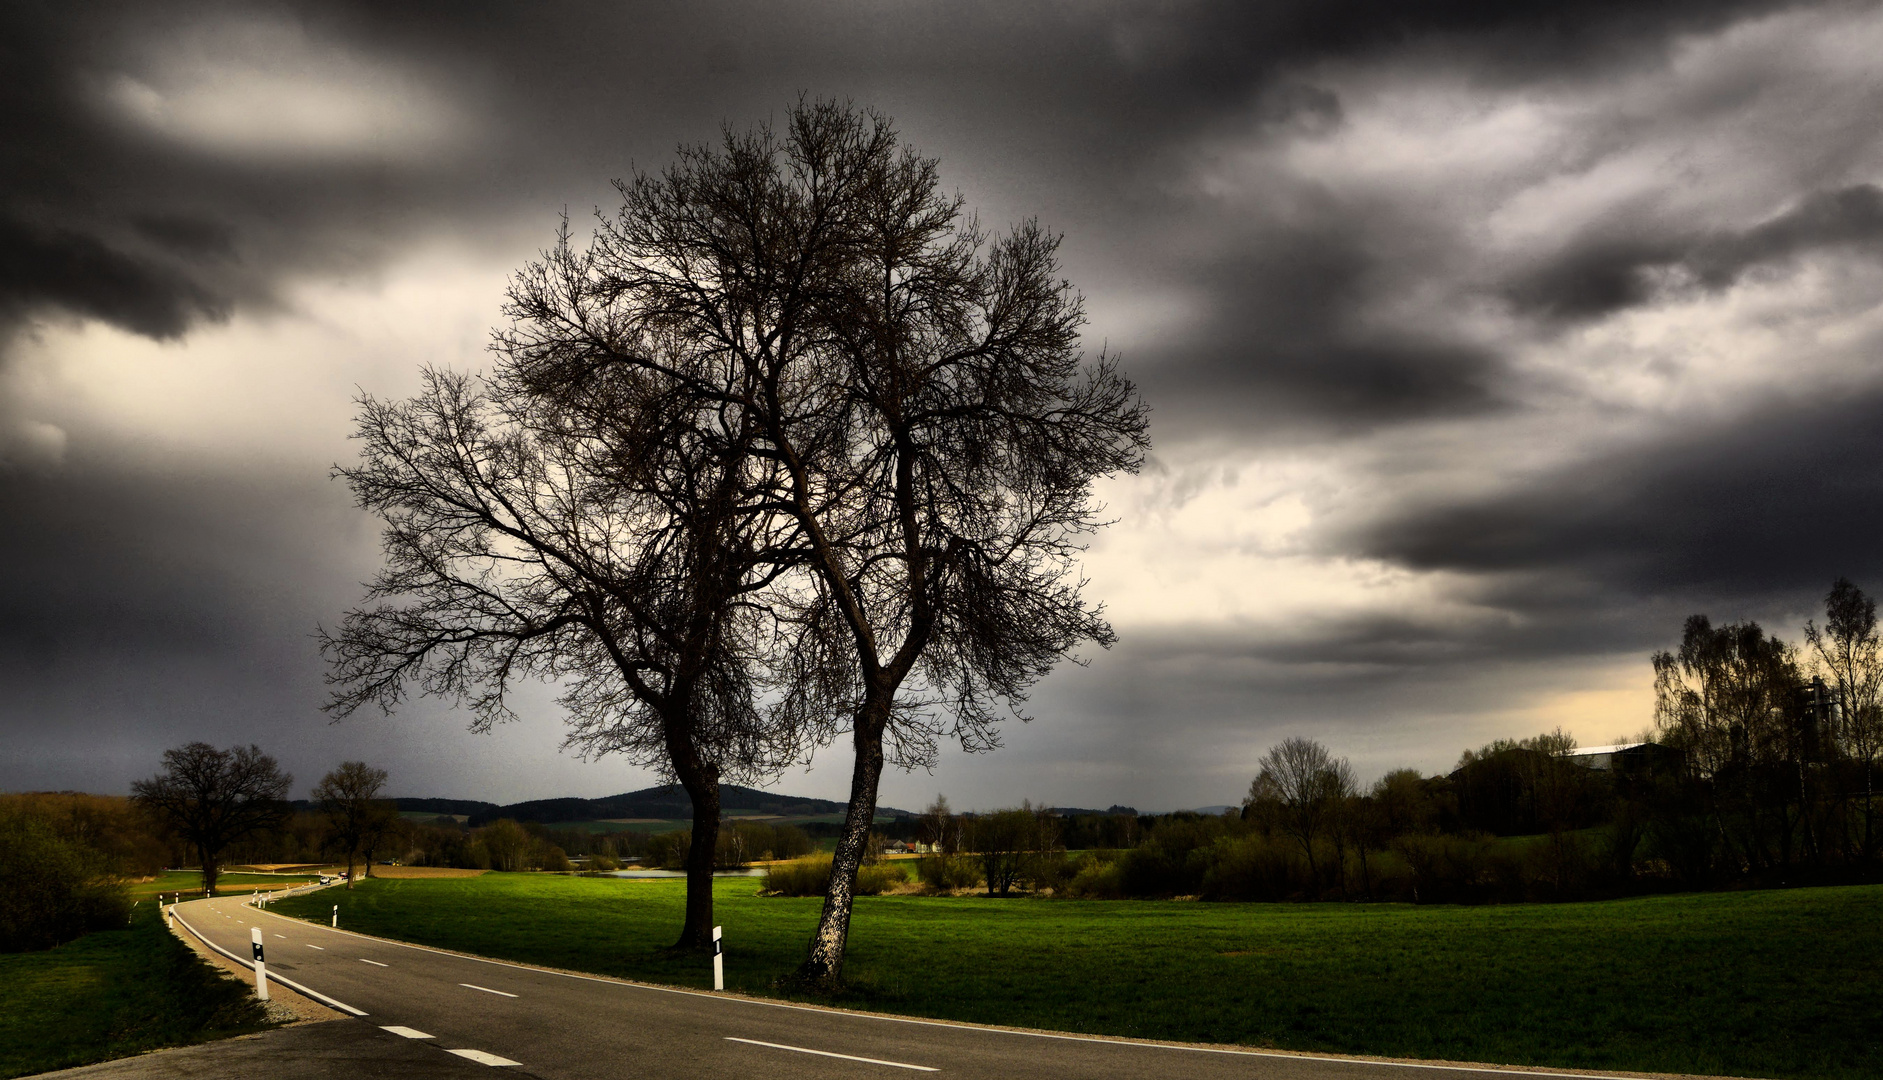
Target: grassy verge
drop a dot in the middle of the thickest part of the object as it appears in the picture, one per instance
(113, 993)
(1780, 984)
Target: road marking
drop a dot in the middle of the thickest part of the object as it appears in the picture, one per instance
(375, 963)
(410, 1033)
(828, 1054)
(315, 947)
(479, 1056)
(486, 990)
(276, 976)
(282, 937)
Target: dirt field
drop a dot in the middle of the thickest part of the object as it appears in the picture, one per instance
(424, 872)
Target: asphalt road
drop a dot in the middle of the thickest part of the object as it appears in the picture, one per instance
(534, 1022)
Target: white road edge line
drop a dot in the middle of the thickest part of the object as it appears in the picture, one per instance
(828, 1054)
(1144, 1044)
(375, 963)
(289, 983)
(487, 990)
(410, 1033)
(482, 1058)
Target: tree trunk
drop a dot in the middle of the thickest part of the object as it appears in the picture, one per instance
(210, 870)
(823, 968)
(702, 787)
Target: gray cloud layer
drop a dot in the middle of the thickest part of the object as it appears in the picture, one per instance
(1307, 316)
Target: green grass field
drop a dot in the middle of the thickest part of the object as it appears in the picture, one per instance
(113, 993)
(1781, 984)
(190, 883)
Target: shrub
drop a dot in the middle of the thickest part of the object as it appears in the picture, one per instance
(602, 862)
(1256, 867)
(810, 876)
(875, 879)
(946, 873)
(51, 891)
(1095, 877)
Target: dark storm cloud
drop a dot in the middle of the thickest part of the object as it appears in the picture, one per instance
(190, 593)
(1283, 339)
(1779, 502)
(211, 559)
(1599, 275)
(109, 224)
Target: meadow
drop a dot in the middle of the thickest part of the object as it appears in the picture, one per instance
(1770, 983)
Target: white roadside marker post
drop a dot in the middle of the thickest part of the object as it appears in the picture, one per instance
(261, 968)
(336, 916)
(719, 963)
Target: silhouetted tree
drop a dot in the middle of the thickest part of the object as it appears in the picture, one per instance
(1850, 652)
(1307, 786)
(920, 391)
(356, 815)
(593, 538)
(214, 798)
(1726, 699)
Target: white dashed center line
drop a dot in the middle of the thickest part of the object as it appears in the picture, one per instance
(828, 1054)
(316, 947)
(479, 1056)
(486, 990)
(375, 963)
(280, 936)
(410, 1033)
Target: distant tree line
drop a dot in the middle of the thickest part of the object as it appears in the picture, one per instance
(1761, 769)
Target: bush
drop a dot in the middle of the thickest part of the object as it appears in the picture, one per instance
(1094, 877)
(51, 891)
(810, 876)
(602, 862)
(946, 873)
(1256, 867)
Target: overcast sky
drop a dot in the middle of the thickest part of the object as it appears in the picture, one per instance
(1483, 347)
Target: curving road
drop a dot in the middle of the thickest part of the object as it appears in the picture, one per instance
(531, 1021)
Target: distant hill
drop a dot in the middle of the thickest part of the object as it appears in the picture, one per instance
(666, 802)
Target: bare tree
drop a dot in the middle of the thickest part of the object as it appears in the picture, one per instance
(1308, 786)
(1849, 650)
(595, 540)
(356, 815)
(918, 387)
(214, 798)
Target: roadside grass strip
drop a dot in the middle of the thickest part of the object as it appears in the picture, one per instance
(1777, 983)
(114, 993)
(828, 1054)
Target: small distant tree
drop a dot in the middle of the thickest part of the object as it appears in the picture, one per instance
(937, 827)
(356, 815)
(1306, 785)
(1009, 843)
(213, 799)
(1849, 653)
